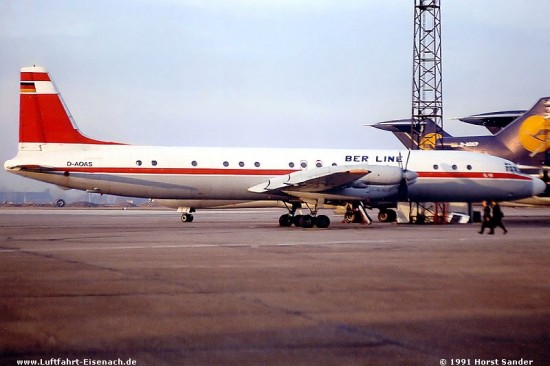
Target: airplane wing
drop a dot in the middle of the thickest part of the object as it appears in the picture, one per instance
(319, 180)
(313, 180)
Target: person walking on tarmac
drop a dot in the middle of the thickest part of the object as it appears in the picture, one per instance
(497, 217)
(486, 220)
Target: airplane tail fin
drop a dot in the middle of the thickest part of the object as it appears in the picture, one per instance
(43, 116)
(531, 131)
(429, 133)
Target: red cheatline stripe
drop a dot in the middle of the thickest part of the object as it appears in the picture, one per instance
(35, 76)
(477, 175)
(270, 172)
(176, 171)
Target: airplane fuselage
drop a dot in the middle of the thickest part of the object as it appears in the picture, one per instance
(227, 173)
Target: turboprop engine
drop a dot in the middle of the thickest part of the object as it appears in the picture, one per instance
(385, 175)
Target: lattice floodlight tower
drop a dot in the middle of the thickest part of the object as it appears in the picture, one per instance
(427, 97)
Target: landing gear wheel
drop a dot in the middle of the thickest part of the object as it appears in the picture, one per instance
(349, 217)
(60, 203)
(353, 217)
(187, 217)
(387, 216)
(322, 221)
(285, 220)
(297, 220)
(306, 221)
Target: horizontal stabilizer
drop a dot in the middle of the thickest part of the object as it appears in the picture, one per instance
(493, 121)
(397, 125)
(29, 168)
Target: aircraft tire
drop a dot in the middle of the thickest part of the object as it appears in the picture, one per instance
(285, 220)
(297, 220)
(187, 217)
(387, 216)
(383, 216)
(349, 217)
(306, 221)
(322, 221)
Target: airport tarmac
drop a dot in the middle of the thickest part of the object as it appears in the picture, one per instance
(234, 288)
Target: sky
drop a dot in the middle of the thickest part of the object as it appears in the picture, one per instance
(287, 73)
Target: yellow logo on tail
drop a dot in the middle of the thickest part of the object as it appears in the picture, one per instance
(534, 134)
(429, 141)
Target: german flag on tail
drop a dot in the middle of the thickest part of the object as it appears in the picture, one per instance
(28, 87)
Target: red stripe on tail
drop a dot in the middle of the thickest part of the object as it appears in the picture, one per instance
(35, 76)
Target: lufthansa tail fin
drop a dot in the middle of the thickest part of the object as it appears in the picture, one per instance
(531, 131)
(429, 133)
(43, 117)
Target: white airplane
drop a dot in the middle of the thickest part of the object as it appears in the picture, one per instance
(52, 149)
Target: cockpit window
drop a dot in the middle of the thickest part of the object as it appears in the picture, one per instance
(510, 167)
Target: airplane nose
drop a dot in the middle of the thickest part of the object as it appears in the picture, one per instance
(539, 186)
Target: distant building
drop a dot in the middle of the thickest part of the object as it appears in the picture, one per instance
(26, 197)
(45, 197)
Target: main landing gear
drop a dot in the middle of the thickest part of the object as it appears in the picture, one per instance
(305, 221)
(356, 213)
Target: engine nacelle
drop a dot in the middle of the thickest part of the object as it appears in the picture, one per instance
(380, 175)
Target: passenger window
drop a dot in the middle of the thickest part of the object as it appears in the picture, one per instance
(303, 164)
(225, 164)
(318, 163)
(241, 164)
(194, 163)
(138, 162)
(436, 166)
(154, 162)
(469, 167)
(291, 164)
(257, 164)
(454, 167)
